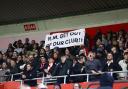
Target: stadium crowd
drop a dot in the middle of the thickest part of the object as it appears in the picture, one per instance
(109, 53)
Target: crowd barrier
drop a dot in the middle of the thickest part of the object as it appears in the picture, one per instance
(86, 85)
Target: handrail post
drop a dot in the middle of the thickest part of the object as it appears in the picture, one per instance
(65, 79)
(12, 77)
(87, 78)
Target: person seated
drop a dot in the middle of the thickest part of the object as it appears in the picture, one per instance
(77, 86)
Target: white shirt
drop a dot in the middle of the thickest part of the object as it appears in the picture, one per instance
(18, 50)
(123, 65)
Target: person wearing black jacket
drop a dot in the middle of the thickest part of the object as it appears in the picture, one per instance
(79, 68)
(62, 68)
(110, 65)
(50, 66)
(35, 61)
(28, 74)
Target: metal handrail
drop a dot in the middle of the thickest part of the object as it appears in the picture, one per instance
(97, 83)
(75, 75)
(65, 76)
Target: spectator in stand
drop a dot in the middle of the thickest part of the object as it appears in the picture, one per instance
(104, 40)
(9, 54)
(93, 66)
(35, 47)
(27, 46)
(4, 57)
(56, 57)
(13, 69)
(20, 43)
(56, 50)
(124, 65)
(50, 67)
(62, 69)
(14, 55)
(19, 63)
(57, 86)
(86, 40)
(68, 56)
(43, 65)
(114, 38)
(111, 66)
(32, 44)
(48, 51)
(8, 62)
(10, 48)
(18, 49)
(29, 73)
(116, 55)
(34, 61)
(68, 53)
(101, 57)
(42, 52)
(121, 49)
(77, 86)
(79, 68)
(97, 44)
(75, 61)
(42, 43)
(3, 71)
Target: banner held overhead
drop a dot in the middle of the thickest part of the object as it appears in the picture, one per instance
(66, 39)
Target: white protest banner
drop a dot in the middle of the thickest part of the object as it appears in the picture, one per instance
(65, 39)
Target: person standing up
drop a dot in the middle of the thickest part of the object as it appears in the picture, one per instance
(124, 65)
(29, 73)
(62, 69)
(111, 66)
(93, 66)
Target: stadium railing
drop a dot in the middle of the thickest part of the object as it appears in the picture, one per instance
(63, 76)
